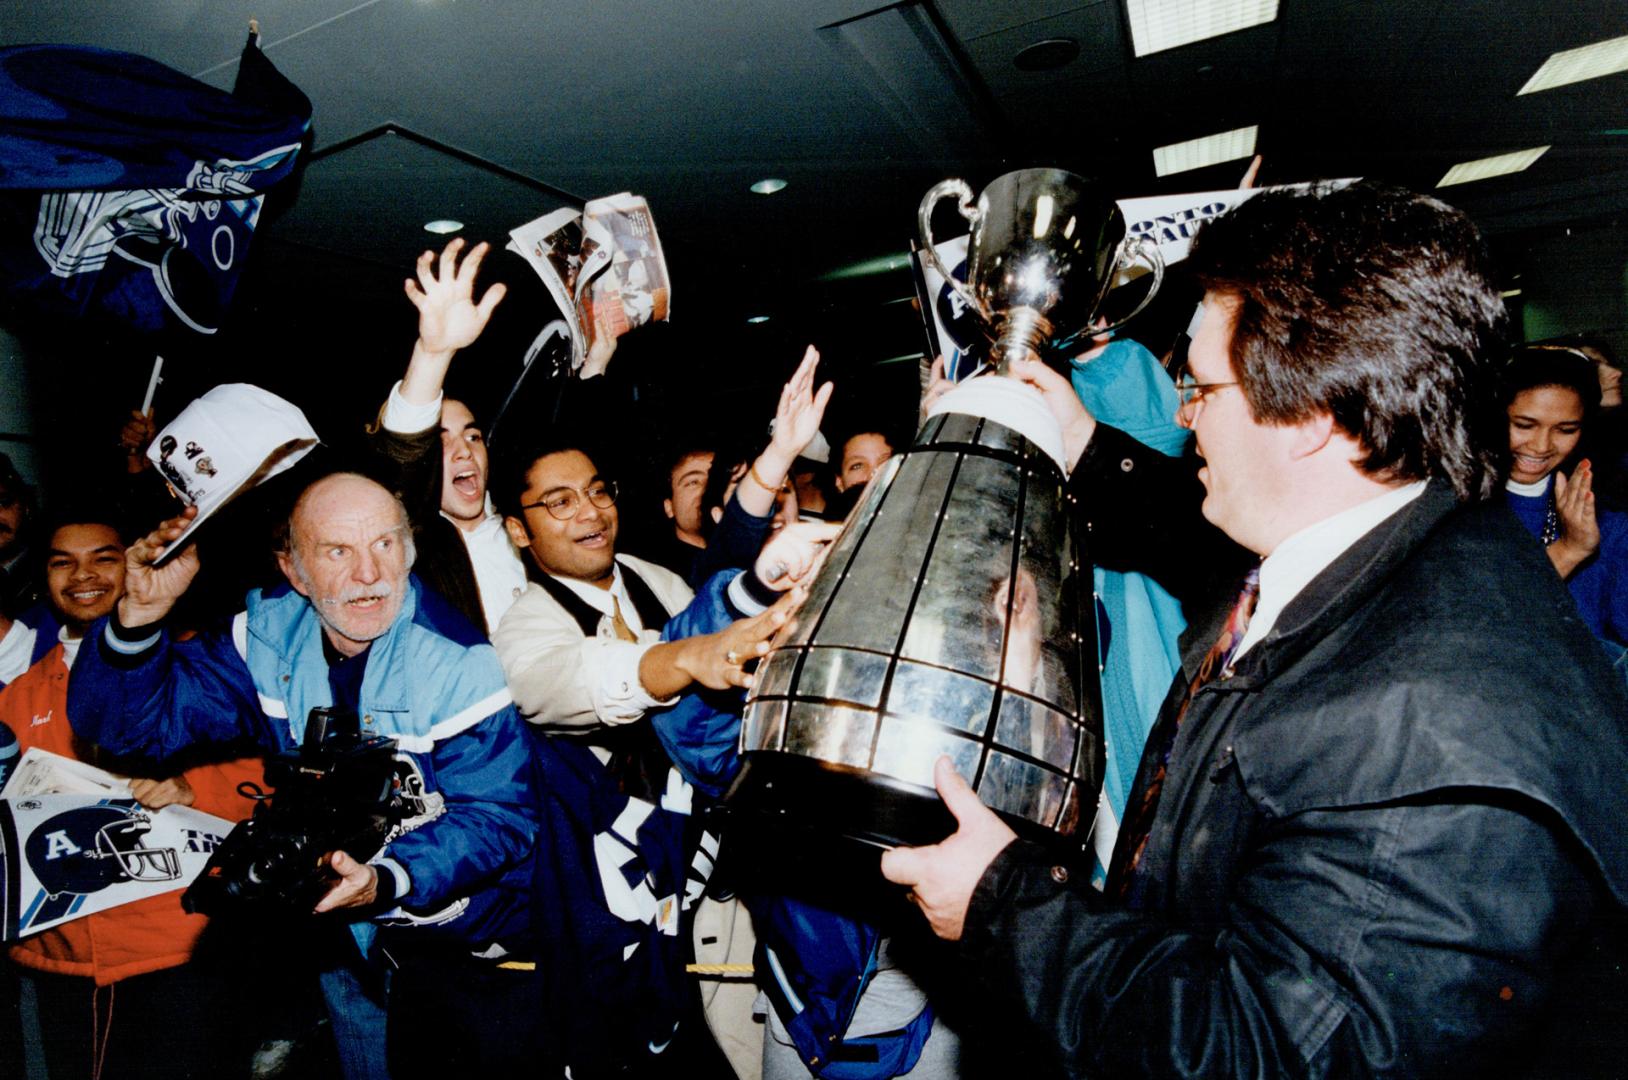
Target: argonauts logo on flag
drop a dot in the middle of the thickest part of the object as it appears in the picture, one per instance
(133, 190)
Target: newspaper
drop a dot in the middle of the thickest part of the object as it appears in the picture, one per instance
(40, 772)
(604, 267)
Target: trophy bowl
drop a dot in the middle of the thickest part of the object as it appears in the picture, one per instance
(1045, 248)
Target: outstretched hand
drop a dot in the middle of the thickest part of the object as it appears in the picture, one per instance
(449, 319)
(942, 877)
(793, 554)
(718, 660)
(150, 591)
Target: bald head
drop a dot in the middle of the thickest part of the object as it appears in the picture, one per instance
(349, 551)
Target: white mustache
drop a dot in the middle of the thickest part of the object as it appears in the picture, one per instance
(378, 590)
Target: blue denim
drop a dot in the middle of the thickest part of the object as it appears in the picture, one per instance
(355, 996)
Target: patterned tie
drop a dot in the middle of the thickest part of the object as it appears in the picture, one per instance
(1217, 663)
(619, 625)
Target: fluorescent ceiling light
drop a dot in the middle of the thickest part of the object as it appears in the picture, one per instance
(1467, 171)
(1510, 293)
(1210, 150)
(1157, 25)
(768, 186)
(442, 226)
(1575, 65)
(758, 319)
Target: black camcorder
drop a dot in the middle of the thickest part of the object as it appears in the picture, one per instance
(338, 792)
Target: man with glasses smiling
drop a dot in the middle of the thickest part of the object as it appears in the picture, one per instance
(1377, 828)
(582, 646)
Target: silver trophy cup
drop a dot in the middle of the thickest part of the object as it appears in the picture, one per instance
(954, 614)
(1046, 247)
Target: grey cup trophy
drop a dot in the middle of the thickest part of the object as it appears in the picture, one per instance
(954, 613)
(1045, 249)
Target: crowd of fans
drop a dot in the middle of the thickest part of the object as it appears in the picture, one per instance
(565, 696)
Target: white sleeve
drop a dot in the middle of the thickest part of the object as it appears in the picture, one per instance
(612, 668)
(561, 679)
(404, 418)
(15, 649)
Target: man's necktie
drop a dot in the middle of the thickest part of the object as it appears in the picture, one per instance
(623, 631)
(1217, 663)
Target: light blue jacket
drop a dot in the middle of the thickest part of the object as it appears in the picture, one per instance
(431, 683)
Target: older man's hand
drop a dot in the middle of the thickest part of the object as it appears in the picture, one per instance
(358, 884)
(941, 878)
(150, 591)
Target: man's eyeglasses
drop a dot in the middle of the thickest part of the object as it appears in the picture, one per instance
(1189, 391)
(565, 503)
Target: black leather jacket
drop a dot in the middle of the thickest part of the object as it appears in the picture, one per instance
(1382, 845)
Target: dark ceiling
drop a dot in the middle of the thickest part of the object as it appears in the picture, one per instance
(860, 105)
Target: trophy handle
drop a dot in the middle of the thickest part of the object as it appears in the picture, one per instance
(1129, 251)
(924, 219)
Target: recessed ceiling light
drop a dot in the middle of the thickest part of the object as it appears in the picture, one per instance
(1575, 65)
(768, 186)
(1046, 55)
(758, 319)
(442, 226)
(1209, 150)
(1467, 171)
(1157, 25)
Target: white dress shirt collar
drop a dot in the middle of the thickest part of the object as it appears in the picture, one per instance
(600, 599)
(1307, 553)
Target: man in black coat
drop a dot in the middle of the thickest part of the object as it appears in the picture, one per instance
(1380, 835)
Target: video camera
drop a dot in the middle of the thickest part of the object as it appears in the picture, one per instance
(338, 792)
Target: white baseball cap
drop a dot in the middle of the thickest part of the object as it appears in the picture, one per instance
(224, 443)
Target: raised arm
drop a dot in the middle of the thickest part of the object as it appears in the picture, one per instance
(796, 421)
(449, 317)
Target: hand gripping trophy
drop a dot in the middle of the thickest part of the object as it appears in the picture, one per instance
(954, 613)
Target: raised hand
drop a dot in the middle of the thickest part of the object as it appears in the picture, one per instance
(449, 319)
(937, 386)
(942, 877)
(150, 591)
(1579, 526)
(134, 436)
(801, 409)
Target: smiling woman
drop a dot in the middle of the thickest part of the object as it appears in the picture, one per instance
(1551, 396)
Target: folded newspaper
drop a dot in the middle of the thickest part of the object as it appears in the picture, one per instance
(73, 842)
(603, 266)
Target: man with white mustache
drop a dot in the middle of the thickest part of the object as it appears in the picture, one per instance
(354, 630)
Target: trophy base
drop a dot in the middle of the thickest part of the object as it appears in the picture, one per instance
(801, 795)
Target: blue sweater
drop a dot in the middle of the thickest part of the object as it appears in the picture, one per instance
(1600, 584)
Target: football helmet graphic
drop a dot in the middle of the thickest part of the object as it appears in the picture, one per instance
(85, 850)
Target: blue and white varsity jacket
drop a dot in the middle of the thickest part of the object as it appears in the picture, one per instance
(432, 683)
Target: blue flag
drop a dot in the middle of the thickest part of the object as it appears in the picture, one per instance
(131, 189)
